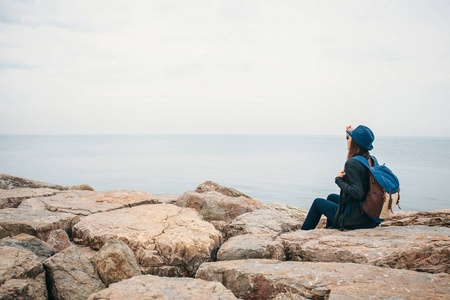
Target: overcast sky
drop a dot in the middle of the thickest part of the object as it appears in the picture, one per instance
(279, 67)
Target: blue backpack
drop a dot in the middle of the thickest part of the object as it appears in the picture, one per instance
(384, 191)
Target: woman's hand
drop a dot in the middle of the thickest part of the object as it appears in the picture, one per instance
(349, 128)
(341, 174)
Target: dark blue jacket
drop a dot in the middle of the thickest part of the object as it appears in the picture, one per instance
(354, 188)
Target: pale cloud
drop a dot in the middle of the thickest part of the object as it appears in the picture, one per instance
(89, 67)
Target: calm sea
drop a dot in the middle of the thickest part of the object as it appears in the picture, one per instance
(291, 169)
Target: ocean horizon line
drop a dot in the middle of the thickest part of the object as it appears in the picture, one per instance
(221, 134)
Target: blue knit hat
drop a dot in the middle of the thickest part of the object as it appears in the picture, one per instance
(363, 136)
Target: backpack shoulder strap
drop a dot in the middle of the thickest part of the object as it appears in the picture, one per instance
(361, 160)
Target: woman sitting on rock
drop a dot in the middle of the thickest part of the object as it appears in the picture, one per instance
(343, 211)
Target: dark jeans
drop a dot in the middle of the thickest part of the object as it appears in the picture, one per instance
(327, 207)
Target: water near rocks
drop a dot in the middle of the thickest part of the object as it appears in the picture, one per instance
(290, 169)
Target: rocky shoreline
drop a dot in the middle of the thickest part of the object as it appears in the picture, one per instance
(213, 242)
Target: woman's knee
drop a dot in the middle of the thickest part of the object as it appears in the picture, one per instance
(318, 201)
(333, 198)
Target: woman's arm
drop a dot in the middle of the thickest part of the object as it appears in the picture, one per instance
(354, 187)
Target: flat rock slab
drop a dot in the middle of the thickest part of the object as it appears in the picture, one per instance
(9, 182)
(13, 198)
(154, 287)
(22, 275)
(262, 221)
(267, 279)
(214, 206)
(251, 246)
(166, 239)
(35, 222)
(420, 248)
(430, 218)
(88, 202)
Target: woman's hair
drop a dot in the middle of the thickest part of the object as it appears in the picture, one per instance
(355, 150)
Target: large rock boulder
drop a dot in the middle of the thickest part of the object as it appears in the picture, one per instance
(154, 287)
(214, 206)
(71, 276)
(262, 221)
(82, 202)
(208, 186)
(268, 279)
(30, 243)
(35, 222)
(115, 262)
(166, 239)
(58, 240)
(430, 218)
(13, 198)
(251, 246)
(9, 182)
(420, 248)
(22, 275)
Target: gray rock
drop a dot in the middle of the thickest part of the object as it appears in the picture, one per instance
(166, 239)
(268, 279)
(420, 248)
(82, 202)
(71, 275)
(214, 206)
(35, 222)
(263, 221)
(208, 186)
(430, 218)
(9, 182)
(30, 243)
(58, 240)
(21, 275)
(153, 287)
(13, 198)
(115, 262)
(251, 246)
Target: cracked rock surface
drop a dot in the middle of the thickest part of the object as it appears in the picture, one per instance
(88, 202)
(166, 239)
(13, 198)
(115, 262)
(71, 275)
(268, 279)
(35, 222)
(251, 246)
(430, 218)
(215, 206)
(154, 287)
(22, 275)
(420, 248)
